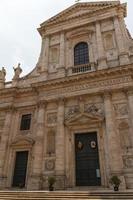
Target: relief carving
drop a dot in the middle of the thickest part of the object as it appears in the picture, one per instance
(128, 161)
(121, 109)
(94, 109)
(72, 111)
(50, 164)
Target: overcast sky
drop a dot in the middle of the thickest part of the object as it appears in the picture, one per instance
(19, 39)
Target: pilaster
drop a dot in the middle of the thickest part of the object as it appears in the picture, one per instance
(38, 147)
(101, 54)
(123, 56)
(130, 104)
(3, 147)
(113, 141)
(60, 143)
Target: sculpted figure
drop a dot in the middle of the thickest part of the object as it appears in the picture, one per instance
(2, 74)
(17, 71)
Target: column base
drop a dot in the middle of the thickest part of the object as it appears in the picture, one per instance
(129, 178)
(34, 183)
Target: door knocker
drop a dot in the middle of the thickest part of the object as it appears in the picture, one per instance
(93, 144)
(79, 145)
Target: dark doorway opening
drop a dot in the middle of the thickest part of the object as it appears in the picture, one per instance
(87, 160)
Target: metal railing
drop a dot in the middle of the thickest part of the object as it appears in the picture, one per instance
(81, 68)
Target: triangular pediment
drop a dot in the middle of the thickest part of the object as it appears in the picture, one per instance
(84, 118)
(80, 9)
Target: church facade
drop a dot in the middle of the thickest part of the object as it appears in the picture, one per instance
(72, 116)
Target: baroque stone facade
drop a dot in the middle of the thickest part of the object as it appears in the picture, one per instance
(43, 112)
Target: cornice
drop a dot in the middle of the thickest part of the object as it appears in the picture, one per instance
(64, 15)
(99, 74)
(91, 77)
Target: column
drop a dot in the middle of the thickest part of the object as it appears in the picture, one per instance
(60, 143)
(113, 142)
(130, 104)
(123, 56)
(38, 147)
(3, 146)
(101, 54)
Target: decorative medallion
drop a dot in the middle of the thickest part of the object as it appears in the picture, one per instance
(79, 145)
(50, 165)
(93, 144)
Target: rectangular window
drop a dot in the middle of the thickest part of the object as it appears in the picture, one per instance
(25, 122)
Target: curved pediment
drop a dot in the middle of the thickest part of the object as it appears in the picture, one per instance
(84, 118)
(23, 141)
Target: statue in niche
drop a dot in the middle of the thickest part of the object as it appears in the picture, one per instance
(17, 72)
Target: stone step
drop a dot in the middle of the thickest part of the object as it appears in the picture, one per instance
(65, 195)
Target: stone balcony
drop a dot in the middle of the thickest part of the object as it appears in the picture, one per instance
(79, 69)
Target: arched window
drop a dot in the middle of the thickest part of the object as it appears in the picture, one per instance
(81, 54)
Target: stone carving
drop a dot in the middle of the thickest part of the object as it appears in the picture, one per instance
(121, 109)
(2, 74)
(50, 164)
(17, 72)
(94, 109)
(72, 111)
(128, 161)
(52, 118)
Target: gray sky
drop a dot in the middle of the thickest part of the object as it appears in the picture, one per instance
(19, 39)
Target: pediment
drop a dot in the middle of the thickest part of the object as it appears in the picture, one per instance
(23, 141)
(78, 10)
(84, 118)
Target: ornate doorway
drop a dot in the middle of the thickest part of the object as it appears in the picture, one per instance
(87, 160)
(20, 169)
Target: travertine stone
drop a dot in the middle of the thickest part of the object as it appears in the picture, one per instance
(50, 139)
(120, 41)
(62, 50)
(38, 146)
(3, 146)
(60, 139)
(101, 54)
(115, 157)
(130, 103)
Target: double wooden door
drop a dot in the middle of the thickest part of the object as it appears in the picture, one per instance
(87, 159)
(20, 169)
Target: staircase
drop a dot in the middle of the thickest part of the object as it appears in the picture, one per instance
(65, 195)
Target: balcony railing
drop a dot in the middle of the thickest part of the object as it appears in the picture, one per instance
(81, 68)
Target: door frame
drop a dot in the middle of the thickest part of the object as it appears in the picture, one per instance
(98, 159)
(71, 157)
(12, 159)
(14, 165)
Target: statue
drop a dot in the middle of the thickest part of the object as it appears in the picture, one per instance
(2, 74)
(2, 77)
(17, 72)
